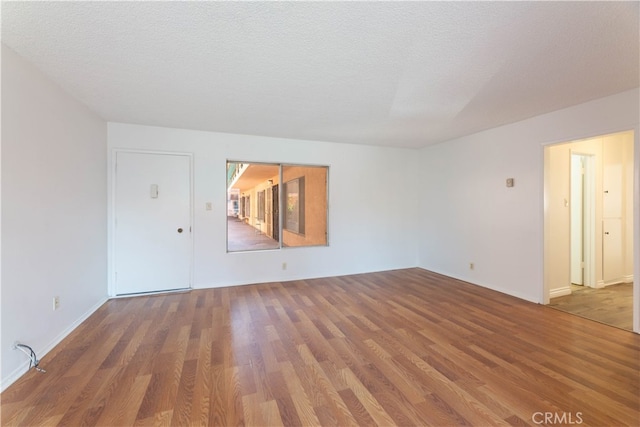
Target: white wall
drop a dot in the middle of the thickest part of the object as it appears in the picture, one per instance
(54, 171)
(372, 206)
(469, 215)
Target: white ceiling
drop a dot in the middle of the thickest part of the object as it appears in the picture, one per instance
(402, 74)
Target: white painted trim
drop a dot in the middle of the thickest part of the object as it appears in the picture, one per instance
(477, 283)
(146, 294)
(560, 292)
(636, 228)
(589, 216)
(627, 279)
(618, 281)
(545, 236)
(23, 368)
(111, 215)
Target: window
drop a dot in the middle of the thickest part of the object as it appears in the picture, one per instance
(290, 214)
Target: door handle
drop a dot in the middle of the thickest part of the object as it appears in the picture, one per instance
(179, 230)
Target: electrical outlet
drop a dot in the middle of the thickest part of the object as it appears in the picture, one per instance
(284, 265)
(208, 206)
(471, 266)
(14, 346)
(56, 303)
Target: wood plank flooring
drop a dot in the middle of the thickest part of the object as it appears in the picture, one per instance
(406, 347)
(612, 305)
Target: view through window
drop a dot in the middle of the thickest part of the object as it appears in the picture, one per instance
(270, 206)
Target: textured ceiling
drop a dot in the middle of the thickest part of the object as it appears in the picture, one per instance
(383, 73)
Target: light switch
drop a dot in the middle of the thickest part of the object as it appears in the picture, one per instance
(208, 206)
(154, 191)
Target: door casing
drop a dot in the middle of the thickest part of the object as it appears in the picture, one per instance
(587, 200)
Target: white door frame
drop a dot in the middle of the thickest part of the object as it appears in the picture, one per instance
(111, 228)
(636, 229)
(589, 219)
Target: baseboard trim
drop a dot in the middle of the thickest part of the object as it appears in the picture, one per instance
(472, 281)
(151, 293)
(41, 352)
(619, 281)
(560, 292)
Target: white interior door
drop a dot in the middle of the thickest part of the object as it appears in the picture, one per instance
(152, 222)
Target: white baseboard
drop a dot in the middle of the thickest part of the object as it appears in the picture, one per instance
(560, 292)
(502, 290)
(619, 281)
(41, 352)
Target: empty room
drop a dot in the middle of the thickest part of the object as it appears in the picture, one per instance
(320, 213)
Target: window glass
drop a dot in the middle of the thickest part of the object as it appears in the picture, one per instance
(305, 194)
(252, 226)
(262, 214)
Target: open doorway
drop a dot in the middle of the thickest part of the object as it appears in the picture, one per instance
(589, 215)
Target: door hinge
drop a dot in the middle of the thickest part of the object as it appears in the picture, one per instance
(582, 264)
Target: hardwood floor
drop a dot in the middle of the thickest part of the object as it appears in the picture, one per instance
(612, 305)
(405, 347)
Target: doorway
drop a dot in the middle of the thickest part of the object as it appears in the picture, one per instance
(151, 222)
(588, 226)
